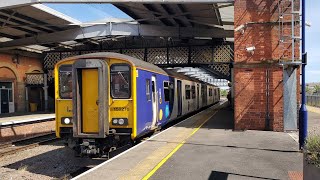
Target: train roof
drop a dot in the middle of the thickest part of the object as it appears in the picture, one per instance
(174, 73)
(138, 63)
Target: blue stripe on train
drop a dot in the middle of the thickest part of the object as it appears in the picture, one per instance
(144, 107)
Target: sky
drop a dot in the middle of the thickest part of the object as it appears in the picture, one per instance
(91, 12)
(313, 41)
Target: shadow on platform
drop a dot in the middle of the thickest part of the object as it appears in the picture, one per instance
(217, 175)
(223, 119)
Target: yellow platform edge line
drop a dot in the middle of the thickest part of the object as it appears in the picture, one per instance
(174, 150)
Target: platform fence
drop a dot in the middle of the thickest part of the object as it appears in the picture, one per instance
(313, 100)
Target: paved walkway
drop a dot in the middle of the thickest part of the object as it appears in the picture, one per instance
(217, 152)
(25, 118)
(200, 149)
(313, 120)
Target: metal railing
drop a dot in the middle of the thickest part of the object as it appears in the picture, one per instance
(34, 78)
(313, 100)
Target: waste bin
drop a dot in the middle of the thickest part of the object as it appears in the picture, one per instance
(33, 107)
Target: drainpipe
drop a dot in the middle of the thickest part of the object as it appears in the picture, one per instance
(303, 113)
(45, 89)
(267, 122)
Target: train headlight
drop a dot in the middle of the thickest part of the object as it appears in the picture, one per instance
(120, 121)
(66, 120)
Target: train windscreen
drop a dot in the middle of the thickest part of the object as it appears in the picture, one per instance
(65, 81)
(120, 76)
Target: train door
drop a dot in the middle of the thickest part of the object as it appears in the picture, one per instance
(179, 86)
(154, 101)
(6, 97)
(4, 101)
(198, 97)
(90, 98)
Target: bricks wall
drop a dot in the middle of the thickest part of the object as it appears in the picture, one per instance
(262, 31)
(16, 73)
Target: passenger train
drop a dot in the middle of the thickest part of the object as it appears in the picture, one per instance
(107, 100)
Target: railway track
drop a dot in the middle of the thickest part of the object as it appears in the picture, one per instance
(21, 145)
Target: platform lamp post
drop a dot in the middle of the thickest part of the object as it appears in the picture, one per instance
(303, 113)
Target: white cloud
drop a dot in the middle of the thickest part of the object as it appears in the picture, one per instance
(313, 72)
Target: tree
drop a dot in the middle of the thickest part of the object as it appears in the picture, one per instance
(223, 92)
(317, 88)
(308, 90)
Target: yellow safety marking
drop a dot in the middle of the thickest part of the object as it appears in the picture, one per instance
(156, 159)
(174, 150)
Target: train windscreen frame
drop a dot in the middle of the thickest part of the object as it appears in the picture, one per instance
(65, 81)
(121, 74)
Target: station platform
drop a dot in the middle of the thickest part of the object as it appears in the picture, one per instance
(4, 121)
(204, 146)
(16, 127)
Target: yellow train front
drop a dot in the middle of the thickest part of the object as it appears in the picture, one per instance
(107, 100)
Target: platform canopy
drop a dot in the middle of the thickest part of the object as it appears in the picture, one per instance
(36, 27)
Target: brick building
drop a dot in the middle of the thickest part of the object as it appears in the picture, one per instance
(265, 80)
(13, 70)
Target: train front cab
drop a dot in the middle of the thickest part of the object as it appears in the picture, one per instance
(95, 103)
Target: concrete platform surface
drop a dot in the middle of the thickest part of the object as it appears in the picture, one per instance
(205, 147)
(25, 118)
(314, 120)
(217, 152)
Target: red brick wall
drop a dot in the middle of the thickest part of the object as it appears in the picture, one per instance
(262, 31)
(16, 73)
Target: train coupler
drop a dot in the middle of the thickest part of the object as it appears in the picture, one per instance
(88, 147)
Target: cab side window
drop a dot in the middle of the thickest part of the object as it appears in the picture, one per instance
(148, 90)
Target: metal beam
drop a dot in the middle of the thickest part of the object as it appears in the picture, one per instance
(30, 20)
(150, 8)
(17, 3)
(119, 29)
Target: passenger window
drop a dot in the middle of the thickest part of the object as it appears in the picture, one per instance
(193, 91)
(148, 90)
(166, 91)
(210, 92)
(188, 91)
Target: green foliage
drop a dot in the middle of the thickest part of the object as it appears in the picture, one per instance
(317, 88)
(223, 92)
(313, 149)
(309, 90)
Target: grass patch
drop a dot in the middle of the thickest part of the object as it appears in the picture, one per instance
(312, 149)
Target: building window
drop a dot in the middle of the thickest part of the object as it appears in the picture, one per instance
(188, 91)
(193, 92)
(166, 91)
(65, 81)
(148, 90)
(120, 81)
